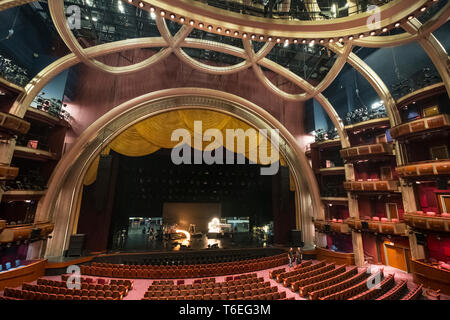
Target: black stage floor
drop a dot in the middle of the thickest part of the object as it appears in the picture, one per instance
(137, 241)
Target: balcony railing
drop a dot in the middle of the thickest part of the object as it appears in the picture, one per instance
(428, 221)
(12, 124)
(366, 151)
(372, 186)
(420, 125)
(425, 168)
(384, 225)
(19, 233)
(336, 226)
(8, 173)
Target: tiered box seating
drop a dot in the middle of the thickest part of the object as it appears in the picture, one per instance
(177, 272)
(280, 277)
(241, 287)
(314, 279)
(428, 220)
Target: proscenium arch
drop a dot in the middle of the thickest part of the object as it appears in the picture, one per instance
(65, 184)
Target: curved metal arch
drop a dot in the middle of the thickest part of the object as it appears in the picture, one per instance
(67, 178)
(433, 48)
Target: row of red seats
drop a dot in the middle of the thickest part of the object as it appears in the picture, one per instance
(355, 289)
(265, 288)
(228, 296)
(263, 259)
(244, 282)
(120, 282)
(280, 277)
(32, 295)
(304, 291)
(338, 286)
(123, 291)
(396, 292)
(289, 280)
(320, 277)
(83, 286)
(184, 272)
(377, 291)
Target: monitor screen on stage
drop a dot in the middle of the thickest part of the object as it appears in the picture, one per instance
(186, 214)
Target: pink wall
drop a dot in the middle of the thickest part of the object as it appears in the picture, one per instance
(439, 249)
(97, 92)
(377, 208)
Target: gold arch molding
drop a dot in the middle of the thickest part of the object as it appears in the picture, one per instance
(234, 24)
(65, 184)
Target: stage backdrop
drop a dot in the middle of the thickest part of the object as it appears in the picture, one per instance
(185, 214)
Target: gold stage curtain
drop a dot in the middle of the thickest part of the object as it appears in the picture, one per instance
(158, 129)
(130, 143)
(152, 134)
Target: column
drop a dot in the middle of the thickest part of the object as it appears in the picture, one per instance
(358, 249)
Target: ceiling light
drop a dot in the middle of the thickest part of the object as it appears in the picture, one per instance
(261, 38)
(236, 33)
(423, 9)
(351, 38)
(361, 35)
(397, 24)
(191, 22)
(181, 19)
(269, 38)
(385, 29)
(94, 19)
(219, 29)
(341, 39)
(331, 40)
(210, 27)
(152, 9)
(141, 4)
(253, 36)
(172, 16)
(162, 13)
(227, 31)
(278, 40)
(130, 1)
(200, 25)
(322, 41)
(410, 17)
(373, 33)
(295, 41)
(244, 35)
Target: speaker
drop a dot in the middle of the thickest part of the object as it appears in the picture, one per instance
(76, 245)
(442, 183)
(296, 238)
(421, 239)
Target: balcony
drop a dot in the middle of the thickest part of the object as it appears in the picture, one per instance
(369, 124)
(44, 117)
(428, 221)
(333, 225)
(8, 173)
(383, 225)
(13, 125)
(436, 122)
(2, 225)
(8, 85)
(372, 186)
(333, 171)
(34, 154)
(422, 94)
(367, 151)
(326, 144)
(22, 195)
(425, 168)
(25, 232)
